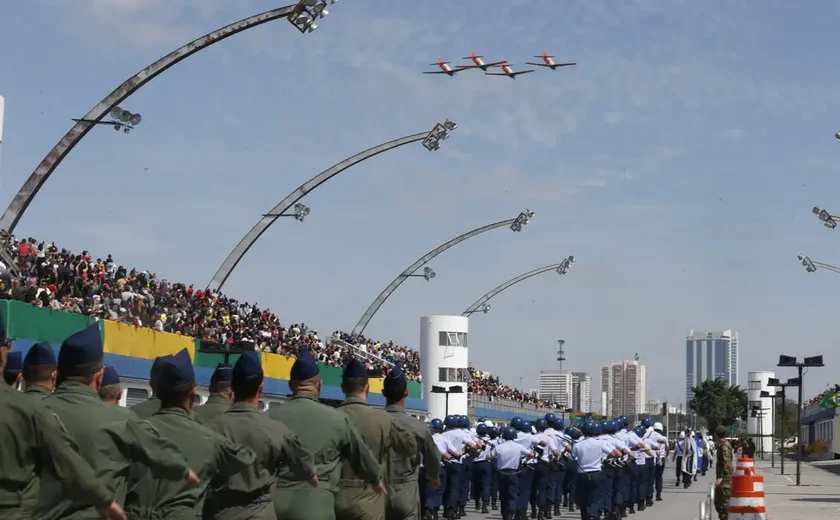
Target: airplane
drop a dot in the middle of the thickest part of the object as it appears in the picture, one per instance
(445, 68)
(549, 62)
(479, 63)
(507, 71)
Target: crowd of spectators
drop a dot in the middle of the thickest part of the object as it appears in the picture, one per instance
(59, 279)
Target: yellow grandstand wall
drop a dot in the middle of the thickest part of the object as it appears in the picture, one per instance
(138, 342)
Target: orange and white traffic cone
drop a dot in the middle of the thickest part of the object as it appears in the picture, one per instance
(747, 499)
(745, 466)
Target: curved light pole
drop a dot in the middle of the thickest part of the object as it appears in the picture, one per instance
(828, 220)
(514, 223)
(279, 210)
(811, 266)
(297, 15)
(481, 304)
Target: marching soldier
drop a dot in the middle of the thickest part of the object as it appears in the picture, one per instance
(356, 500)
(723, 473)
(39, 371)
(247, 494)
(106, 435)
(111, 389)
(14, 367)
(151, 405)
(403, 490)
(330, 436)
(210, 454)
(220, 395)
(32, 444)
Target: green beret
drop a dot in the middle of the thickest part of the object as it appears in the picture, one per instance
(720, 430)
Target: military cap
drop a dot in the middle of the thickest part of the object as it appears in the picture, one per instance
(395, 380)
(110, 377)
(720, 430)
(305, 367)
(81, 348)
(154, 372)
(14, 362)
(176, 371)
(354, 368)
(40, 354)
(222, 374)
(248, 365)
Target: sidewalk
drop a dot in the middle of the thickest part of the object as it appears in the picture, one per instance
(817, 498)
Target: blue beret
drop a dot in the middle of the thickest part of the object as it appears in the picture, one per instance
(83, 347)
(40, 353)
(14, 362)
(176, 370)
(355, 368)
(222, 374)
(305, 367)
(248, 365)
(395, 380)
(110, 377)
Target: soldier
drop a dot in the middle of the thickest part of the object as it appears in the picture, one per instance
(248, 493)
(111, 389)
(14, 367)
(330, 436)
(32, 443)
(39, 371)
(109, 437)
(209, 453)
(151, 405)
(220, 395)
(356, 500)
(403, 490)
(723, 473)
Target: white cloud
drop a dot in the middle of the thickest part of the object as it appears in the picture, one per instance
(733, 134)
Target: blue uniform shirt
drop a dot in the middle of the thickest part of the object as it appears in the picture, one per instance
(509, 454)
(589, 452)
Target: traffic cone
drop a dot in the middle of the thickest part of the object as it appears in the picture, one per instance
(747, 499)
(745, 466)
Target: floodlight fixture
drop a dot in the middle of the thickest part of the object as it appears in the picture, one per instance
(120, 120)
(807, 264)
(299, 213)
(765, 394)
(307, 11)
(808, 362)
(522, 220)
(793, 381)
(813, 361)
(428, 273)
(565, 265)
(787, 361)
(439, 133)
(828, 220)
(837, 136)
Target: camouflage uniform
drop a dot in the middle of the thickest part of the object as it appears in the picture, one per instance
(723, 470)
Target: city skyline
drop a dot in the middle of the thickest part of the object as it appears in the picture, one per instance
(623, 388)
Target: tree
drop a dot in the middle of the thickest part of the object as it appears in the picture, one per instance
(719, 403)
(788, 428)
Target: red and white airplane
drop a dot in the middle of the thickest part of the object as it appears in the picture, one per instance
(507, 71)
(479, 63)
(445, 68)
(548, 61)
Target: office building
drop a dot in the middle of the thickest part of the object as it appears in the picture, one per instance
(556, 386)
(710, 356)
(581, 392)
(623, 383)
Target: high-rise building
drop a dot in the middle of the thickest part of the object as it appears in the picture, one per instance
(582, 392)
(556, 386)
(623, 383)
(710, 356)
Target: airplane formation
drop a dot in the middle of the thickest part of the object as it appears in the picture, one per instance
(507, 70)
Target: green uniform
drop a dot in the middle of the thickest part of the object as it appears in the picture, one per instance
(723, 471)
(147, 408)
(36, 392)
(356, 499)
(330, 436)
(248, 493)
(403, 490)
(215, 406)
(110, 438)
(31, 442)
(207, 453)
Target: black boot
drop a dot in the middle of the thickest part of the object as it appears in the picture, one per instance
(658, 497)
(493, 505)
(477, 505)
(631, 509)
(462, 511)
(565, 501)
(435, 515)
(649, 502)
(484, 508)
(533, 512)
(641, 505)
(622, 511)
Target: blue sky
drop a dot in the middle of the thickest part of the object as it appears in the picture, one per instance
(678, 162)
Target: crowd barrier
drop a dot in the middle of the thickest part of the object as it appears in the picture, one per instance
(707, 505)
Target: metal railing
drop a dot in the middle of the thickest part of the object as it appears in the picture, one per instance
(707, 505)
(358, 352)
(506, 405)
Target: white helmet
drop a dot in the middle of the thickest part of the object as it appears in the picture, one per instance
(657, 426)
(489, 424)
(682, 435)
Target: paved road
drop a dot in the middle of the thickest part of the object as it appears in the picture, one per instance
(677, 503)
(818, 498)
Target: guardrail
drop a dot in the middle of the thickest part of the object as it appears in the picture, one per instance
(358, 352)
(707, 505)
(506, 405)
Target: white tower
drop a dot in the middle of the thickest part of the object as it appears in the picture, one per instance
(763, 425)
(445, 363)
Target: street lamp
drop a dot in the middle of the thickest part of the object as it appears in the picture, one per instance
(428, 274)
(828, 220)
(299, 212)
(439, 134)
(522, 220)
(565, 265)
(781, 395)
(484, 308)
(811, 266)
(306, 12)
(120, 120)
(758, 413)
(790, 361)
(458, 389)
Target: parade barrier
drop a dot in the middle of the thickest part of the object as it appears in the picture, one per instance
(707, 505)
(745, 466)
(747, 499)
